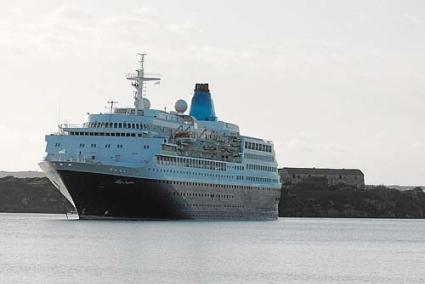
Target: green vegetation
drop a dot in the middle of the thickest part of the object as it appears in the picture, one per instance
(31, 195)
(315, 198)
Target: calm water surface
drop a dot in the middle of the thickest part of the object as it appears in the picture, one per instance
(51, 249)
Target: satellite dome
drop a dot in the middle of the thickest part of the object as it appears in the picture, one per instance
(181, 106)
(146, 103)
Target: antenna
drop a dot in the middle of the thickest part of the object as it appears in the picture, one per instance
(142, 59)
(112, 104)
(138, 81)
(59, 115)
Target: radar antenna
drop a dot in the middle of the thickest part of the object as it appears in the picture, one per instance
(138, 80)
(112, 104)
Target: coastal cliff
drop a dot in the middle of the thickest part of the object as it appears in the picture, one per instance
(315, 199)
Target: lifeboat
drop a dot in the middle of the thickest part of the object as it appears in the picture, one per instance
(182, 134)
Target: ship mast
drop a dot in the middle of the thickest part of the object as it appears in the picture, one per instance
(138, 80)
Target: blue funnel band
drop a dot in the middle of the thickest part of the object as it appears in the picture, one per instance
(202, 106)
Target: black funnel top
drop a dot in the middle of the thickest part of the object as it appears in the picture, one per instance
(201, 87)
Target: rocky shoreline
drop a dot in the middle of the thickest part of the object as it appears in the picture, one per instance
(38, 195)
(31, 195)
(321, 200)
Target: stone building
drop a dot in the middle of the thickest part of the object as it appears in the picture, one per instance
(353, 177)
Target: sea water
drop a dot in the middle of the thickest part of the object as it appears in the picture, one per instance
(38, 248)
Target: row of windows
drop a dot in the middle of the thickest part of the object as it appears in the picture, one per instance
(191, 163)
(258, 157)
(218, 176)
(196, 194)
(211, 206)
(210, 185)
(261, 179)
(238, 168)
(331, 176)
(258, 147)
(261, 168)
(127, 125)
(113, 134)
(82, 145)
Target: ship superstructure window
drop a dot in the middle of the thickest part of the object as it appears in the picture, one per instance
(261, 168)
(261, 179)
(258, 157)
(105, 134)
(258, 147)
(191, 163)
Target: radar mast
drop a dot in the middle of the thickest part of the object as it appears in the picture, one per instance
(138, 80)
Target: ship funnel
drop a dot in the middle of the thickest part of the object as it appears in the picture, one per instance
(202, 106)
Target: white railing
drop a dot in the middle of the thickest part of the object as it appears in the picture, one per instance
(69, 125)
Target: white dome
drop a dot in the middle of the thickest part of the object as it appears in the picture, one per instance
(181, 106)
(146, 103)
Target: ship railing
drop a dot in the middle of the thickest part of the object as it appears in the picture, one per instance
(78, 159)
(69, 125)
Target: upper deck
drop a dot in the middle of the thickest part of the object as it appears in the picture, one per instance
(142, 137)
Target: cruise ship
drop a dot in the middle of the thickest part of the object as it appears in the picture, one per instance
(143, 163)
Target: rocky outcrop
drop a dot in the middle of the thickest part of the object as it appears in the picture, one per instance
(31, 195)
(320, 200)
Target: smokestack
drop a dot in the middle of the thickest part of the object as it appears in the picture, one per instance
(202, 106)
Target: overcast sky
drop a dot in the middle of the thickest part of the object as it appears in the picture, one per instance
(336, 84)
